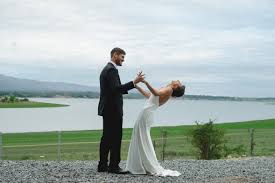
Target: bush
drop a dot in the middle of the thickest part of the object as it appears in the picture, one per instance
(208, 140)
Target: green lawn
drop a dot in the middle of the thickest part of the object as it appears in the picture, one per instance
(84, 145)
(29, 104)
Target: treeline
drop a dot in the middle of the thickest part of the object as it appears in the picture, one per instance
(89, 94)
(12, 99)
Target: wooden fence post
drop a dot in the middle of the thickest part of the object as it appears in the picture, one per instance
(59, 146)
(164, 139)
(252, 144)
(1, 146)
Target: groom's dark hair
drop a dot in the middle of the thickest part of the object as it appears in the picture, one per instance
(178, 92)
(118, 51)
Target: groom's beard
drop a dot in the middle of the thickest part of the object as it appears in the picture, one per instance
(119, 63)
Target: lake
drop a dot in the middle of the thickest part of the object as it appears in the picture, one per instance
(82, 114)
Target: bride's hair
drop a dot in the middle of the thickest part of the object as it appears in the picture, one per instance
(179, 91)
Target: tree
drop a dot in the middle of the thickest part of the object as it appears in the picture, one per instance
(24, 100)
(12, 99)
(5, 99)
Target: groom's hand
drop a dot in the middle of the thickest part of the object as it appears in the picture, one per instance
(140, 77)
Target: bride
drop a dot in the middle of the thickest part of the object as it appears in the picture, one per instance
(141, 155)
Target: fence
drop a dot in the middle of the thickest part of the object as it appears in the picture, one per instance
(84, 145)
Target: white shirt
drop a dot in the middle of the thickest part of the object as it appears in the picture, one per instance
(113, 64)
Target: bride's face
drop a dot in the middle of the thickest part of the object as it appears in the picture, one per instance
(176, 84)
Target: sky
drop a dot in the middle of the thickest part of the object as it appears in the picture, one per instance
(215, 47)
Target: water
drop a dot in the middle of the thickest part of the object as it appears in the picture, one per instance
(82, 114)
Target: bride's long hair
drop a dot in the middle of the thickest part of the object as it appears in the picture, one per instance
(179, 91)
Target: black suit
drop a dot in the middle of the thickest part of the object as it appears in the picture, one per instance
(110, 107)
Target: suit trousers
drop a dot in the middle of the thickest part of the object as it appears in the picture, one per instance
(111, 140)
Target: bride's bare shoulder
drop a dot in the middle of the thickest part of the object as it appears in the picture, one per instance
(166, 93)
(166, 90)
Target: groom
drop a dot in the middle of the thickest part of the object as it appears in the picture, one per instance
(110, 107)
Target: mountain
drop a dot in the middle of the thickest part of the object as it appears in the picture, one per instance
(8, 83)
(32, 88)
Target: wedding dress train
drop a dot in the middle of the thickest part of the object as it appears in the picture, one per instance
(141, 155)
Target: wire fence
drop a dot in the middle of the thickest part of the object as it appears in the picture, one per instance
(69, 146)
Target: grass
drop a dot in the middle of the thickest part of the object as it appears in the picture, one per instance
(84, 145)
(29, 104)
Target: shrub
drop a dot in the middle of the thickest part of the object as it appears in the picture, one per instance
(208, 140)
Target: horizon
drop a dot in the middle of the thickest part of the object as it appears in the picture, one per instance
(215, 48)
(131, 92)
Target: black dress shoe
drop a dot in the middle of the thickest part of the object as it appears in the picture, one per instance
(117, 170)
(102, 169)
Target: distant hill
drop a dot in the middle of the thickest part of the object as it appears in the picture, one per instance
(32, 88)
(8, 83)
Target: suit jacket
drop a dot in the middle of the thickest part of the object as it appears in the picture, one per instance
(111, 91)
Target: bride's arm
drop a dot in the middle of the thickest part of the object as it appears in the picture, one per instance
(164, 91)
(143, 92)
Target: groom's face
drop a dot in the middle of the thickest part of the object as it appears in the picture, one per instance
(119, 58)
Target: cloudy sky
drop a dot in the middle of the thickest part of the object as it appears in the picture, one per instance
(215, 47)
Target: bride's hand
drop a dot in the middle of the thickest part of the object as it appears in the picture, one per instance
(143, 80)
(139, 78)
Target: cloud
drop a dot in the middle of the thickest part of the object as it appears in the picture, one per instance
(202, 42)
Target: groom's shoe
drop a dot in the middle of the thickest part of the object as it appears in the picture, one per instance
(117, 170)
(102, 169)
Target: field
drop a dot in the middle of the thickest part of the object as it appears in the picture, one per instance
(84, 145)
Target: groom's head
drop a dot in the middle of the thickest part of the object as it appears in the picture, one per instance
(117, 56)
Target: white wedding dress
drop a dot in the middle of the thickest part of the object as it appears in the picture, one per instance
(141, 155)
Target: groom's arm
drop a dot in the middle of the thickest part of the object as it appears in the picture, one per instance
(114, 84)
